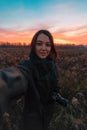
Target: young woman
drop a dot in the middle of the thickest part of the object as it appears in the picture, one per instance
(37, 80)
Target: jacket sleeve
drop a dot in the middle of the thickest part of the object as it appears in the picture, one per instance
(13, 83)
(56, 83)
(56, 93)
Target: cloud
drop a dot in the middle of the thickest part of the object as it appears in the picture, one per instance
(75, 35)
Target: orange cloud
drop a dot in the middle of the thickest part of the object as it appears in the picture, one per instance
(75, 35)
(15, 36)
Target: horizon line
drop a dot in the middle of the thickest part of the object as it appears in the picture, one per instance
(26, 44)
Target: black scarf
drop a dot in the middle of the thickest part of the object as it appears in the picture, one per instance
(44, 66)
(46, 75)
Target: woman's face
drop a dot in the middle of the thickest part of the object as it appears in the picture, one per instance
(42, 46)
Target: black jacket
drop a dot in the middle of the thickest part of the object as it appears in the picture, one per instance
(37, 80)
(25, 79)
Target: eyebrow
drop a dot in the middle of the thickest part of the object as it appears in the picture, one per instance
(41, 41)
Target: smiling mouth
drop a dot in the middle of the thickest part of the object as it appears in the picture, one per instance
(42, 53)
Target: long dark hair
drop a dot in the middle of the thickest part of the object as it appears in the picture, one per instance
(53, 53)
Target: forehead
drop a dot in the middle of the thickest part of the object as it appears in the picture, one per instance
(43, 37)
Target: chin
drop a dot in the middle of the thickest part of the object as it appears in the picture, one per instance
(43, 57)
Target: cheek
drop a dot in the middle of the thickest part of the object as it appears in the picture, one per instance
(37, 48)
(49, 49)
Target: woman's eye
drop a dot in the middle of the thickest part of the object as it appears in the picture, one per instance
(48, 44)
(39, 43)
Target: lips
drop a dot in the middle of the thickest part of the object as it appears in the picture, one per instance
(42, 53)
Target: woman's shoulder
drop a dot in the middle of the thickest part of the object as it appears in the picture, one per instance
(25, 64)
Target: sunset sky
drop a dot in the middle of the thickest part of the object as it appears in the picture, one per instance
(65, 19)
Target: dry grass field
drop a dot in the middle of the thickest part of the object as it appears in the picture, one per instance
(72, 67)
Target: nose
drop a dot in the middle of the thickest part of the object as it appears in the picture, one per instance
(43, 47)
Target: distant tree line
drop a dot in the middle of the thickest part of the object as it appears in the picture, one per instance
(60, 46)
(8, 44)
(71, 46)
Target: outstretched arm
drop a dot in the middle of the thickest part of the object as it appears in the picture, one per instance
(12, 82)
